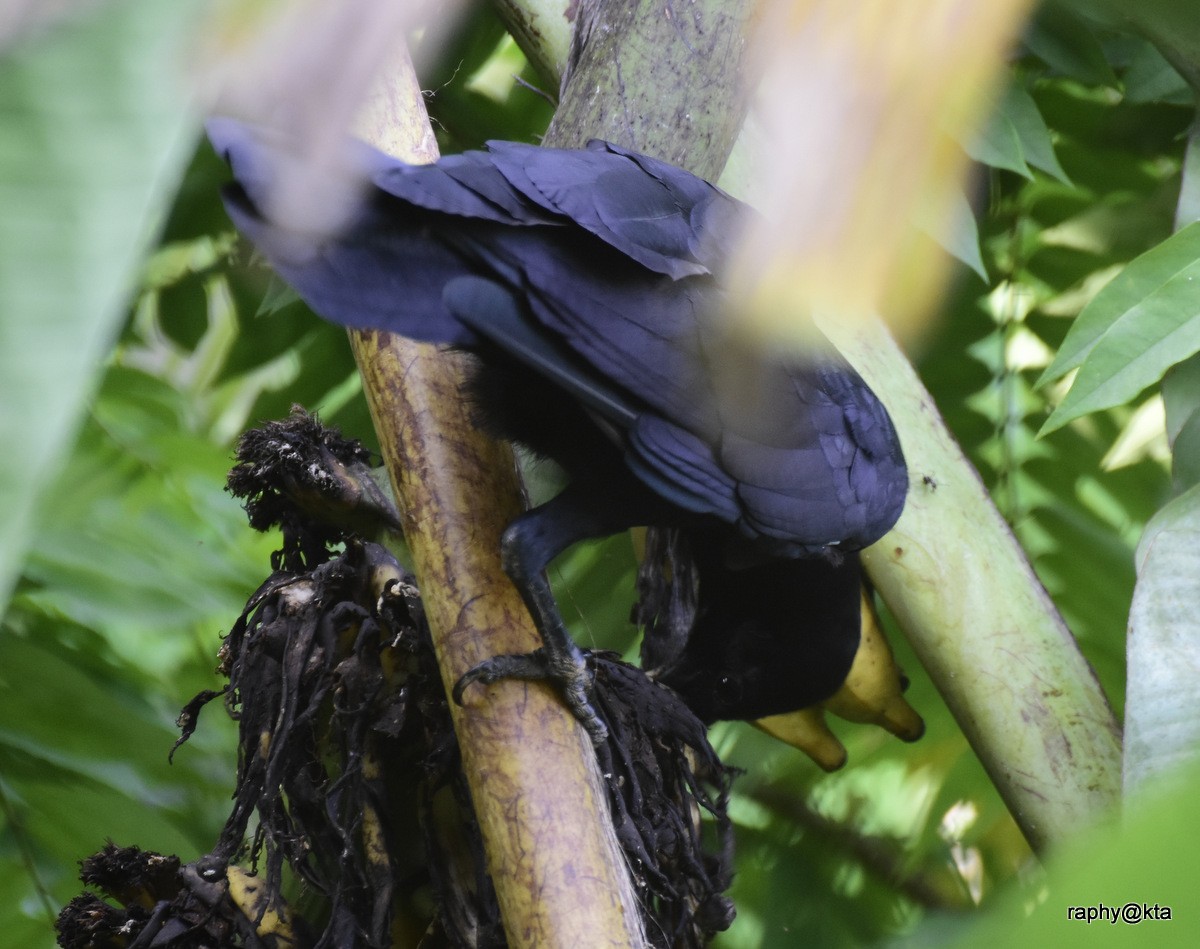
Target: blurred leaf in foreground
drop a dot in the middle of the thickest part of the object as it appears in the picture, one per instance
(871, 100)
(94, 131)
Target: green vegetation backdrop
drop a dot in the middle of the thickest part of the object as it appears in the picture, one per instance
(127, 561)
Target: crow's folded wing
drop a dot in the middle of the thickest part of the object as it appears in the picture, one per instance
(467, 185)
(259, 160)
(372, 276)
(817, 464)
(607, 244)
(715, 218)
(644, 208)
(382, 268)
(793, 498)
(635, 328)
(681, 468)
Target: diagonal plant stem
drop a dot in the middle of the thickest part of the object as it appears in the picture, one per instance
(951, 571)
(959, 584)
(559, 876)
(16, 828)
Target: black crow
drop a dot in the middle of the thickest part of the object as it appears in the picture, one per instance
(589, 284)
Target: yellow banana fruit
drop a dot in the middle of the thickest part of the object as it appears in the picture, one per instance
(269, 913)
(807, 731)
(873, 691)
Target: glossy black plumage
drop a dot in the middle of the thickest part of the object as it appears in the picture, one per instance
(746, 643)
(590, 278)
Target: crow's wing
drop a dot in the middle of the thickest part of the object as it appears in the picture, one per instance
(816, 463)
(812, 461)
(681, 468)
(676, 464)
(715, 218)
(260, 159)
(877, 473)
(795, 497)
(644, 208)
(820, 462)
(804, 491)
(371, 276)
(385, 268)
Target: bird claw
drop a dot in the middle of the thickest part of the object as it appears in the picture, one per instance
(573, 678)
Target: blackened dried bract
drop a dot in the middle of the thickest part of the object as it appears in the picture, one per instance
(180, 910)
(88, 921)
(349, 771)
(131, 875)
(659, 766)
(311, 482)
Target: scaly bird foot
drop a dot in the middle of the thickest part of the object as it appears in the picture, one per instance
(572, 677)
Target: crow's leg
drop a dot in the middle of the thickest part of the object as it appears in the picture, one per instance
(529, 543)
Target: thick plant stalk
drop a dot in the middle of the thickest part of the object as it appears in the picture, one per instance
(558, 873)
(987, 633)
(659, 77)
(951, 571)
(542, 30)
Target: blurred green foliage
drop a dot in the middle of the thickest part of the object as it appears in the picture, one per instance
(139, 560)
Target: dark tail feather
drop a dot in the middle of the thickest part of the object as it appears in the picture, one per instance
(494, 313)
(377, 271)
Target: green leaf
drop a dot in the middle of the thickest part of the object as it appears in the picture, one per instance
(1187, 209)
(140, 491)
(1020, 109)
(1133, 331)
(83, 757)
(1181, 401)
(594, 587)
(95, 127)
(1150, 78)
(1185, 455)
(1152, 857)
(999, 146)
(1065, 43)
(1139, 281)
(959, 234)
(1162, 712)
